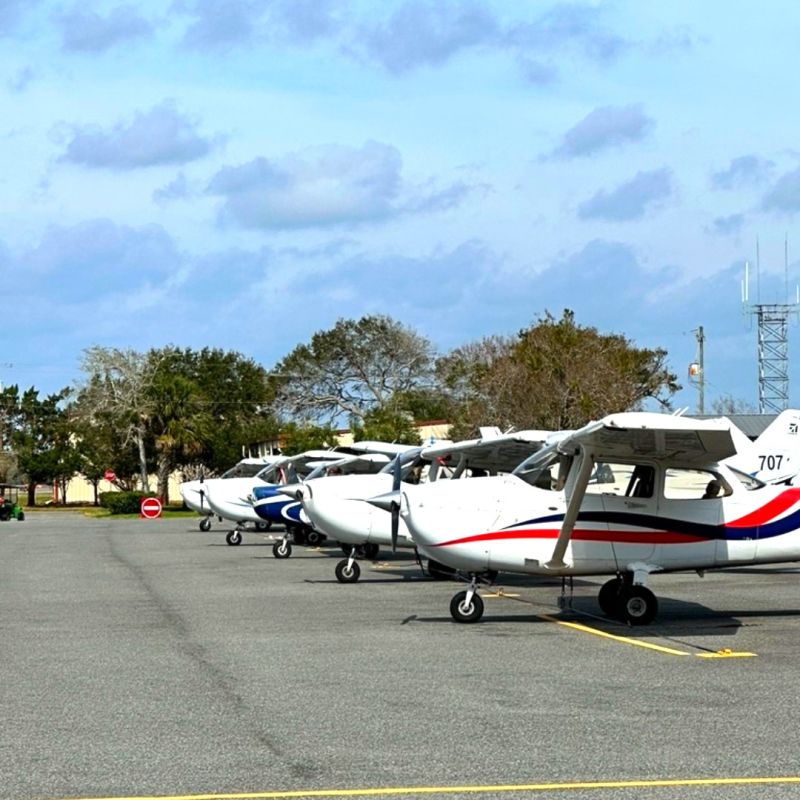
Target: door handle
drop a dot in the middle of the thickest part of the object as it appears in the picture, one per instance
(631, 504)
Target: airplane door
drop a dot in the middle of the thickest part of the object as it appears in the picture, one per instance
(691, 515)
(630, 507)
(618, 502)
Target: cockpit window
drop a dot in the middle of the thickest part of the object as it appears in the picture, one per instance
(694, 484)
(243, 471)
(544, 470)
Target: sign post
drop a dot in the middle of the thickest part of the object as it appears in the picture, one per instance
(150, 508)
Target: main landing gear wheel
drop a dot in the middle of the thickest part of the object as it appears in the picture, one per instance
(440, 572)
(371, 550)
(609, 598)
(205, 524)
(461, 611)
(638, 605)
(263, 525)
(282, 549)
(315, 538)
(234, 537)
(347, 574)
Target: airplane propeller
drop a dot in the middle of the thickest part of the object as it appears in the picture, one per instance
(397, 476)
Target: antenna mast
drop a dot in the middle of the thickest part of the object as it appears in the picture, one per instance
(773, 340)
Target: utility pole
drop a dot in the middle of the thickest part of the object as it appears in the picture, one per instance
(697, 373)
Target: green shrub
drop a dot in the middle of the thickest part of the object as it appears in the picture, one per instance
(123, 502)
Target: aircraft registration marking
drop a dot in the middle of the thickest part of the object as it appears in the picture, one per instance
(521, 787)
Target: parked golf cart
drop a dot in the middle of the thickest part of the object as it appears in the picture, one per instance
(9, 502)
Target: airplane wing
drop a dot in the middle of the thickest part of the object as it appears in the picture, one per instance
(661, 437)
(495, 453)
(390, 449)
(632, 436)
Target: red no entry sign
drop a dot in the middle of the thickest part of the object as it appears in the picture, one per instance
(150, 508)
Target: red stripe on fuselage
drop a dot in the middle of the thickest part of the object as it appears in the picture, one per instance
(584, 535)
(769, 511)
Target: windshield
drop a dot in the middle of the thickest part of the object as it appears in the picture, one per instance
(243, 471)
(408, 461)
(542, 469)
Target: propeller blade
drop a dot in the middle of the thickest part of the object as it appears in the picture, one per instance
(397, 474)
(202, 493)
(395, 523)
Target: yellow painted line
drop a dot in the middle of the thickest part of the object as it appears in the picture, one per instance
(522, 787)
(727, 653)
(724, 653)
(624, 639)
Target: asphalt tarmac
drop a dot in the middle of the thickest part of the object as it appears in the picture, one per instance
(145, 658)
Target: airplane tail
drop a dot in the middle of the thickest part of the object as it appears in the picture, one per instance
(778, 448)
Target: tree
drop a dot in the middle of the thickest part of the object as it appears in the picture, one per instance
(553, 375)
(41, 437)
(353, 369)
(384, 425)
(727, 404)
(119, 387)
(205, 406)
(299, 438)
(176, 406)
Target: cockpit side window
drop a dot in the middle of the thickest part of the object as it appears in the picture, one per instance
(694, 484)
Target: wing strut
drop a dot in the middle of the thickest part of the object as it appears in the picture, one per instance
(556, 561)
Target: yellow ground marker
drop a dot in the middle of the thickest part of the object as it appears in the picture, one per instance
(522, 787)
(670, 651)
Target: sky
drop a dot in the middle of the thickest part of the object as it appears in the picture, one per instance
(243, 173)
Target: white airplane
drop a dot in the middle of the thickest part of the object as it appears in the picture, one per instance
(662, 500)
(234, 499)
(274, 505)
(336, 505)
(194, 495)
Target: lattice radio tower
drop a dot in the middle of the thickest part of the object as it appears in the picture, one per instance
(773, 338)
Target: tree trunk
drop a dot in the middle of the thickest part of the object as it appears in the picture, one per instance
(163, 478)
(31, 495)
(144, 477)
(95, 485)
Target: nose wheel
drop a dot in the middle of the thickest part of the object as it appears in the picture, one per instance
(466, 606)
(233, 537)
(347, 570)
(282, 549)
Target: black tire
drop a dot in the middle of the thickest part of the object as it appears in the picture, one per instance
(299, 536)
(234, 537)
(609, 598)
(469, 614)
(440, 572)
(282, 549)
(345, 575)
(638, 605)
(315, 538)
(263, 525)
(371, 551)
(205, 524)
(20, 516)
